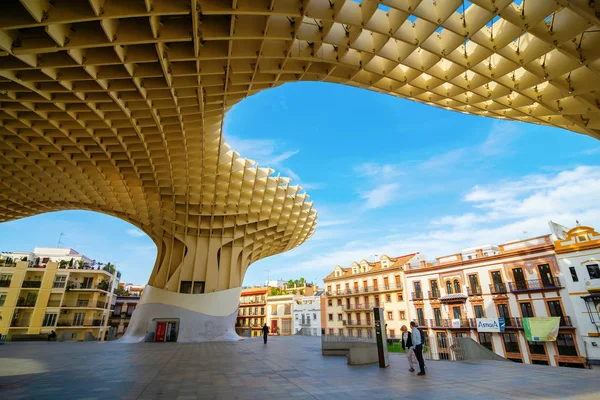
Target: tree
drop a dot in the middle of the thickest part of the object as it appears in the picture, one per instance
(37, 261)
(121, 291)
(71, 263)
(80, 263)
(291, 283)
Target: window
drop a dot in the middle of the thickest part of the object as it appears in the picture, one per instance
(2, 299)
(503, 311)
(437, 314)
(59, 281)
(417, 287)
(435, 292)
(78, 319)
(388, 298)
(420, 318)
(392, 333)
(185, 287)
(331, 331)
(49, 319)
(539, 362)
(526, 310)
(329, 289)
(448, 287)
(339, 303)
(485, 339)
(329, 303)
(594, 271)
(314, 316)
(359, 332)
(369, 333)
(565, 344)
(390, 316)
(479, 311)
(511, 342)
(400, 297)
(456, 312)
(574, 274)
(402, 314)
(457, 286)
(474, 284)
(340, 317)
(537, 348)
(350, 332)
(5, 280)
(341, 332)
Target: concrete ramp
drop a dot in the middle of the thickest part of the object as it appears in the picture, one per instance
(358, 351)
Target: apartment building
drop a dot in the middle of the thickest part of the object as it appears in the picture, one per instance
(307, 315)
(515, 280)
(353, 292)
(578, 254)
(73, 301)
(280, 314)
(252, 310)
(121, 314)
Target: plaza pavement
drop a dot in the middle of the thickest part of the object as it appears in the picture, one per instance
(287, 367)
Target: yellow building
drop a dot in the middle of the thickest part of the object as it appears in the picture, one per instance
(251, 312)
(72, 301)
(353, 292)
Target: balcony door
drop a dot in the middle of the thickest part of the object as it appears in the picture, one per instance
(497, 281)
(375, 284)
(555, 310)
(386, 282)
(519, 278)
(87, 283)
(546, 275)
(434, 289)
(474, 284)
(456, 312)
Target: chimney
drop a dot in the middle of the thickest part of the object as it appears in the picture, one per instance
(423, 264)
(479, 253)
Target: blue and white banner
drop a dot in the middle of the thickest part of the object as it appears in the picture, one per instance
(490, 325)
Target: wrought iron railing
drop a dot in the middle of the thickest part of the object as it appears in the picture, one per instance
(31, 284)
(417, 295)
(474, 290)
(535, 284)
(498, 288)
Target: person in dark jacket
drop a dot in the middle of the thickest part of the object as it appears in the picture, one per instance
(408, 347)
(265, 331)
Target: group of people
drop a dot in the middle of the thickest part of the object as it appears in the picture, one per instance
(412, 342)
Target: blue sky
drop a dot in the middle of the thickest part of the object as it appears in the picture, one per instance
(387, 175)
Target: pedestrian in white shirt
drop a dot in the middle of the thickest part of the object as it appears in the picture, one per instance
(417, 342)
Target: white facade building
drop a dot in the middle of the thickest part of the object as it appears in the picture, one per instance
(515, 280)
(578, 254)
(58, 254)
(307, 315)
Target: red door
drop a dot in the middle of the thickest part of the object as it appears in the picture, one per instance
(274, 326)
(161, 328)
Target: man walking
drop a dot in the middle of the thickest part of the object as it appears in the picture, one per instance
(408, 346)
(265, 331)
(417, 342)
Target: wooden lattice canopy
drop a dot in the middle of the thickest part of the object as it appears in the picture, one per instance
(118, 105)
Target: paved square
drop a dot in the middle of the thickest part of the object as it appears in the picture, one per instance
(285, 367)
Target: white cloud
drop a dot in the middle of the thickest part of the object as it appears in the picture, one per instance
(591, 151)
(498, 212)
(267, 154)
(497, 143)
(135, 233)
(383, 171)
(380, 196)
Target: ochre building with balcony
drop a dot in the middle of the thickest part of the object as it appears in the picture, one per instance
(353, 292)
(73, 301)
(252, 310)
(514, 280)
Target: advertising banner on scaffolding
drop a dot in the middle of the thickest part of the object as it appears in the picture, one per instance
(541, 329)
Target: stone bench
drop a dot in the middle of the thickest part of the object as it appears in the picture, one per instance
(30, 337)
(357, 352)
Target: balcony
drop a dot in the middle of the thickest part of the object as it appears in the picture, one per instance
(359, 307)
(434, 294)
(534, 285)
(5, 283)
(26, 302)
(252, 302)
(358, 323)
(94, 322)
(513, 323)
(19, 324)
(498, 288)
(32, 284)
(447, 323)
(417, 295)
(474, 290)
(59, 285)
(83, 304)
(565, 322)
(53, 303)
(364, 289)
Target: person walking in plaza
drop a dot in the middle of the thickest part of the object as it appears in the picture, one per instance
(408, 347)
(265, 331)
(417, 342)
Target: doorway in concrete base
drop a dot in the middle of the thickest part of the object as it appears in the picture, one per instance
(166, 331)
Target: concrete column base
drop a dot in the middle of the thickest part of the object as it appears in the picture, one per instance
(199, 317)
